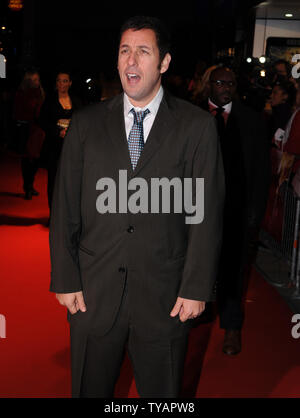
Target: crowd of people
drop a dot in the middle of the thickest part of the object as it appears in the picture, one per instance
(35, 124)
(249, 132)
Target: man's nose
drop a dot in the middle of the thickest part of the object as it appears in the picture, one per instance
(132, 59)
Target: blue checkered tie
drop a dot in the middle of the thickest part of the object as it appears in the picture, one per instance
(136, 136)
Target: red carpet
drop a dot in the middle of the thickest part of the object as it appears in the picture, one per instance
(34, 356)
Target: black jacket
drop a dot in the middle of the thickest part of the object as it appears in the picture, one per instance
(247, 167)
(51, 112)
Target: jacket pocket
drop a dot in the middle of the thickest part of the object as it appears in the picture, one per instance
(86, 250)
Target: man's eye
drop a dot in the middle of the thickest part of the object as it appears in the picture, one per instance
(145, 51)
(123, 51)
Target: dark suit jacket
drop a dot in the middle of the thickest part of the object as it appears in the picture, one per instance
(246, 156)
(162, 257)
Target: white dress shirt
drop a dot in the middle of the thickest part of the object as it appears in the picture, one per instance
(227, 107)
(149, 119)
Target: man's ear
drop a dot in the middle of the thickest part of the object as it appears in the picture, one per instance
(165, 63)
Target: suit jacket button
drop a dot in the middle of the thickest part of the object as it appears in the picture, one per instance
(130, 229)
(122, 270)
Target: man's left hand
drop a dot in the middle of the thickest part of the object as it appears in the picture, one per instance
(187, 309)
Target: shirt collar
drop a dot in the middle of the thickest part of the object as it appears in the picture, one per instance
(152, 106)
(227, 107)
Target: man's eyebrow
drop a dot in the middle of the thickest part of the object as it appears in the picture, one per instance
(139, 46)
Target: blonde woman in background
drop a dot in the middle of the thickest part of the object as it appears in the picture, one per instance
(201, 88)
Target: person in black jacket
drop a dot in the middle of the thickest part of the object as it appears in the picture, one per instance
(55, 117)
(246, 157)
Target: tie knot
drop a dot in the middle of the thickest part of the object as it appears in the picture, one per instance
(139, 116)
(219, 110)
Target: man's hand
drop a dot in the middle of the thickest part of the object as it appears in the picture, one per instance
(73, 301)
(187, 309)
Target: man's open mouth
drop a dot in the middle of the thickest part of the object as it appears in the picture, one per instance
(133, 77)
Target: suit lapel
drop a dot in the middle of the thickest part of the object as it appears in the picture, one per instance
(163, 126)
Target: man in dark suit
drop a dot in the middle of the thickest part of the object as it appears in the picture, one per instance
(129, 275)
(246, 159)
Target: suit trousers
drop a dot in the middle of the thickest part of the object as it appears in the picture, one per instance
(157, 364)
(232, 277)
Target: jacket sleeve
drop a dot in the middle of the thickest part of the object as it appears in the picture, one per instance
(65, 223)
(204, 239)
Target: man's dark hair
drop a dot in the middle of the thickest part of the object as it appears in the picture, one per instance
(149, 22)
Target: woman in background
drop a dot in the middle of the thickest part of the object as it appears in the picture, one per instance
(292, 132)
(29, 136)
(291, 146)
(55, 117)
(282, 99)
(200, 91)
